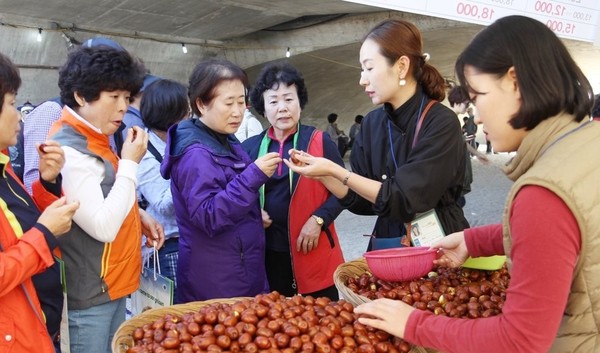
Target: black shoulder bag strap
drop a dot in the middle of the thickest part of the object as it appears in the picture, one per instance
(154, 152)
(142, 202)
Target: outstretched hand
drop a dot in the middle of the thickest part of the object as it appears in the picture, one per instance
(388, 315)
(453, 250)
(309, 166)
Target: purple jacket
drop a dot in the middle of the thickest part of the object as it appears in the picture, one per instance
(215, 194)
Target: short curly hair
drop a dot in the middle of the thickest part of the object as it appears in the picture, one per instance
(10, 81)
(270, 77)
(90, 71)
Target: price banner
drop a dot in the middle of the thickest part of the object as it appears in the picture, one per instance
(572, 19)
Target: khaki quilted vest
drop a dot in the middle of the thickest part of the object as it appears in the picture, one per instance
(564, 157)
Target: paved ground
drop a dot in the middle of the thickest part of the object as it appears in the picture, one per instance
(484, 206)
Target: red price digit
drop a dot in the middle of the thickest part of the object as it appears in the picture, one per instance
(471, 10)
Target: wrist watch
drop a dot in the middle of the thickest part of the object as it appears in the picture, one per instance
(319, 220)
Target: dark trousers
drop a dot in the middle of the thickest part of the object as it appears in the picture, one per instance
(281, 277)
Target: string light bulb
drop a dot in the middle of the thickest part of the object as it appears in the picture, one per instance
(287, 53)
(183, 48)
(68, 41)
(39, 35)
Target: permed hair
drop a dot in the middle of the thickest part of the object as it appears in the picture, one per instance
(458, 95)
(90, 71)
(270, 77)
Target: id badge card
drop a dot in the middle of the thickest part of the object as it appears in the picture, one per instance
(426, 229)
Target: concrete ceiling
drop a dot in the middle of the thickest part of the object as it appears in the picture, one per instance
(209, 20)
(222, 22)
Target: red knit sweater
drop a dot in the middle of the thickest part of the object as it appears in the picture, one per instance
(546, 244)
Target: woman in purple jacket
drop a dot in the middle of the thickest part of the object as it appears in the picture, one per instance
(215, 190)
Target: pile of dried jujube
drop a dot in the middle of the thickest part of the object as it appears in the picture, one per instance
(460, 292)
(266, 323)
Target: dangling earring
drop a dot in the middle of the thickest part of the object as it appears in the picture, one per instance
(402, 82)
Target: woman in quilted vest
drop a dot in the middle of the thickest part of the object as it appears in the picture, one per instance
(534, 100)
(102, 251)
(303, 250)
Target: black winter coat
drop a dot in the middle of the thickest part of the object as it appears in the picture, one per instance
(414, 180)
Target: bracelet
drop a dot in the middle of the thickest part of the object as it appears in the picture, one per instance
(345, 181)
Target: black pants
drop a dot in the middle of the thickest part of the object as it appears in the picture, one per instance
(281, 277)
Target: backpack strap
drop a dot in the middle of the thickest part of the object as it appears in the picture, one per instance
(154, 152)
(142, 202)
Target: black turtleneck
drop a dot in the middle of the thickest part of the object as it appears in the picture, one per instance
(414, 179)
(408, 111)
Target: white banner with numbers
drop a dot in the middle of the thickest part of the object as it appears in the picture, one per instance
(571, 19)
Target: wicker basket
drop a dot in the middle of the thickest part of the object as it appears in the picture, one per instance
(347, 270)
(353, 269)
(123, 339)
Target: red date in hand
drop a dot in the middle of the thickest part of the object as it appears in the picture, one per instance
(294, 159)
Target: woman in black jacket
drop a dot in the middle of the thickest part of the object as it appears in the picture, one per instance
(409, 155)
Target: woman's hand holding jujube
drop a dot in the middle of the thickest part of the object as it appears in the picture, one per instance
(135, 144)
(268, 163)
(52, 159)
(313, 167)
(58, 217)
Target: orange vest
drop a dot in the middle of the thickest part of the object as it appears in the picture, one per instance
(98, 272)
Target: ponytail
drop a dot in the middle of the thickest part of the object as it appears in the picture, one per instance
(432, 82)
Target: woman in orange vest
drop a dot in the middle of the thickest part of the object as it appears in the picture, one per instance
(102, 251)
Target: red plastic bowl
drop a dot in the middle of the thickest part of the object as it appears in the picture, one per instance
(401, 264)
